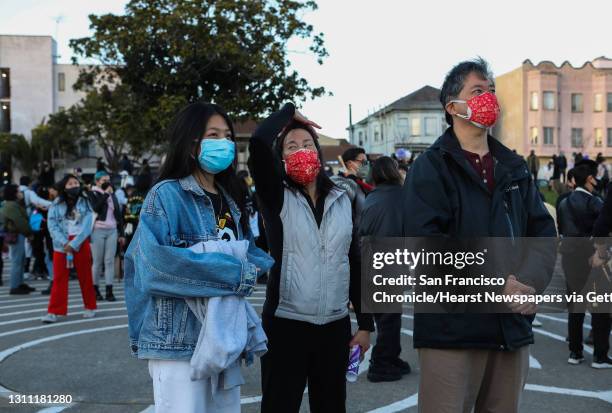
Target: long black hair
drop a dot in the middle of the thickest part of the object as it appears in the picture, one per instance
(186, 127)
(386, 171)
(324, 183)
(63, 196)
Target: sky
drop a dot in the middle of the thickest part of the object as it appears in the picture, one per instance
(381, 50)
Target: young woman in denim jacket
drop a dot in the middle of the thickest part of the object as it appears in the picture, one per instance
(70, 221)
(197, 199)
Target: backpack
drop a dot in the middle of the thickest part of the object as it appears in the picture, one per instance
(36, 220)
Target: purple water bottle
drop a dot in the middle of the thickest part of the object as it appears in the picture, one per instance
(69, 261)
(352, 372)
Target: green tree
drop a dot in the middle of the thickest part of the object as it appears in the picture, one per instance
(19, 151)
(162, 54)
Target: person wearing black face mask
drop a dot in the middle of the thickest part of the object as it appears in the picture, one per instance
(70, 220)
(108, 229)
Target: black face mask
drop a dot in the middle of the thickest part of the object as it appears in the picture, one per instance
(73, 192)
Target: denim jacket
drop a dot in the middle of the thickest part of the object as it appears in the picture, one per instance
(58, 224)
(160, 270)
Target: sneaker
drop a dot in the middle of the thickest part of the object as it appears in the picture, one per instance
(602, 363)
(89, 314)
(49, 318)
(536, 323)
(575, 358)
(21, 290)
(403, 366)
(28, 287)
(384, 373)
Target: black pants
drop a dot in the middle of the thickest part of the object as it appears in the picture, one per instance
(301, 353)
(601, 332)
(388, 338)
(577, 271)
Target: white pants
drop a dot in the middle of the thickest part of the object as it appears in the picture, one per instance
(174, 391)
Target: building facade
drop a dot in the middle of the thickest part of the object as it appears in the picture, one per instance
(412, 122)
(549, 108)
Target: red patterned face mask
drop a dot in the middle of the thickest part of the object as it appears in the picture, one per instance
(482, 110)
(303, 166)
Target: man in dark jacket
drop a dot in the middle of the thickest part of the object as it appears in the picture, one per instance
(577, 215)
(467, 184)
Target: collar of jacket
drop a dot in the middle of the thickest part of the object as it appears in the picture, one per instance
(190, 184)
(508, 165)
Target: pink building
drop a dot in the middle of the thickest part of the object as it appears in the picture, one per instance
(551, 109)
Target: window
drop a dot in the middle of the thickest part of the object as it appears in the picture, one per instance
(534, 136)
(534, 101)
(576, 137)
(5, 117)
(360, 138)
(5, 83)
(577, 102)
(609, 137)
(609, 102)
(549, 100)
(415, 127)
(598, 136)
(549, 138)
(85, 149)
(598, 102)
(61, 81)
(376, 136)
(403, 127)
(430, 127)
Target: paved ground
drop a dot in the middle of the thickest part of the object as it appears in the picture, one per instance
(89, 359)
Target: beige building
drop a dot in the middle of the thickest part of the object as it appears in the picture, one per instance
(551, 108)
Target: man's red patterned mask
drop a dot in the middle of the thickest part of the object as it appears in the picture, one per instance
(482, 110)
(303, 166)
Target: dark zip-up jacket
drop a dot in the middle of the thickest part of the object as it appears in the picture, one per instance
(445, 197)
(99, 204)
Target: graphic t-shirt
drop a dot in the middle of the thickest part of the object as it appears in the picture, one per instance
(226, 227)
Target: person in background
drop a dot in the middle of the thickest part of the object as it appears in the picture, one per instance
(136, 196)
(46, 177)
(107, 231)
(533, 163)
(17, 228)
(403, 170)
(126, 165)
(70, 221)
(53, 193)
(578, 213)
(562, 165)
(467, 185)
(382, 216)
(100, 165)
(309, 224)
(357, 168)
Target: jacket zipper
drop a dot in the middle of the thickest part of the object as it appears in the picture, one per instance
(507, 213)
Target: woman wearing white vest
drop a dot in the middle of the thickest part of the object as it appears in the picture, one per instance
(309, 225)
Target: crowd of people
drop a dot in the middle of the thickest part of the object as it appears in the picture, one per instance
(55, 230)
(204, 234)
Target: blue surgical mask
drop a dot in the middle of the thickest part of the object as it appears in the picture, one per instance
(216, 154)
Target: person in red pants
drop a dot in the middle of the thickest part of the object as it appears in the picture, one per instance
(70, 222)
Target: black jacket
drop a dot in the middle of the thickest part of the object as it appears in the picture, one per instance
(445, 197)
(99, 204)
(382, 214)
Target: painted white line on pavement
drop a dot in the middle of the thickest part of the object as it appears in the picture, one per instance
(55, 409)
(606, 396)
(45, 300)
(4, 392)
(60, 324)
(35, 295)
(557, 337)
(534, 363)
(44, 309)
(403, 404)
(24, 320)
